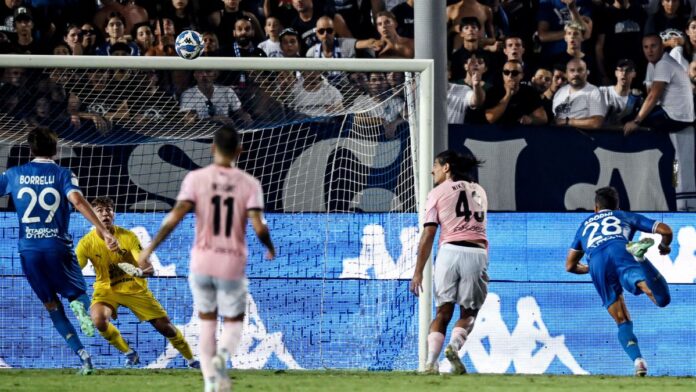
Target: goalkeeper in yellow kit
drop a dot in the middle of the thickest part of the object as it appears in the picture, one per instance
(114, 287)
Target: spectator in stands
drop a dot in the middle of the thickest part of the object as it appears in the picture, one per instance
(476, 69)
(573, 38)
(290, 43)
(165, 36)
(358, 15)
(80, 117)
(115, 33)
(391, 44)
(552, 18)
(181, 13)
(224, 19)
(514, 103)
(145, 39)
(132, 13)
(120, 49)
(11, 98)
(620, 101)
(61, 49)
(329, 46)
(314, 96)
(41, 114)
(470, 9)
(669, 105)
(89, 39)
(690, 46)
(211, 45)
(404, 18)
(674, 43)
(463, 97)
(13, 77)
(579, 103)
(619, 29)
(211, 101)
(541, 81)
(671, 15)
(306, 20)
(25, 43)
(73, 39)
(243, 44)
(7, 10)
(384, 108)
(513, 49)
(469, 31)
(271, 46)
(281, 9)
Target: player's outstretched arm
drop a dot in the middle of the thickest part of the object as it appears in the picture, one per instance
(80, 204)
(181, 208)
(573, 264)
(262, 232)
(425, 246)
(666, 232)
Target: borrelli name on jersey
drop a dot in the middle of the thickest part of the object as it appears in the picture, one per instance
(36, 180)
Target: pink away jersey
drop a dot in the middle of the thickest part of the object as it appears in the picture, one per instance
(459, 208)
(222, 197)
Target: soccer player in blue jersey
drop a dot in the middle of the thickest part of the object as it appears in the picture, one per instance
(615, 264)
(42, 191)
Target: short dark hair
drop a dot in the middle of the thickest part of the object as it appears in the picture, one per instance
(607, 198)
(43, 142)
(626, 63)
(103, 201)
(226, 140)
(461, 165)
(470, 21)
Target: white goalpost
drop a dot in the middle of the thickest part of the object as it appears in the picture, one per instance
(332, 178)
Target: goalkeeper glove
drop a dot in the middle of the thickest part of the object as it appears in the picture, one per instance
(130, 269)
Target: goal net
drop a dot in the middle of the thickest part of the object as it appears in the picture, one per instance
(336, 152)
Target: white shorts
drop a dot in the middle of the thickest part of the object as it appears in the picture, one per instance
(461, 276)
(210, 294)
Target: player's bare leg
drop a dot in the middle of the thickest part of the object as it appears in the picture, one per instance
(629, 342)
(460, 333)
(67, 331)
(164, 326)
(436, 337)
(207, 349)
(101, 315)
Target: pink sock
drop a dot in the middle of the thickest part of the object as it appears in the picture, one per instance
(458, 337)
(206, 347)
(435, 340)
(229, 340)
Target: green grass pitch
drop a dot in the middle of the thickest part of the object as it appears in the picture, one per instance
(324, 381)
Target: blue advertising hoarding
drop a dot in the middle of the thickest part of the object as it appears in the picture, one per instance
(334, 304)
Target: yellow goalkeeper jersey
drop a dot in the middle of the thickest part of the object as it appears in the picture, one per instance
(109, 275)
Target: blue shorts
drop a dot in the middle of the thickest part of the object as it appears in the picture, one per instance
(52, 273)
(613, 268)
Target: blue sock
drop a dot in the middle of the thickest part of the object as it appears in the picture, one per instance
(657, 283)
(628, 340)
(85, 301)
(65, 328)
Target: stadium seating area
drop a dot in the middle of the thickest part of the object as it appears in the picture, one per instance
(482, 37)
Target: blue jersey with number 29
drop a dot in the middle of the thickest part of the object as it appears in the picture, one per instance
(607, 226)
(39, 190)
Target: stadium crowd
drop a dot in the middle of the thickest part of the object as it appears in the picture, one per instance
(589, 64)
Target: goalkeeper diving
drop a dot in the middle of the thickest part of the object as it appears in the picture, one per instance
(120, 283)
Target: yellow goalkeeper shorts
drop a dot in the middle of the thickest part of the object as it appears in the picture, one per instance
(143, 304)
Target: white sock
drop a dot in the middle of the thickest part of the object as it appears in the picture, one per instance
(206, 347)
(229, 340)
(435, 341)
(458, 338)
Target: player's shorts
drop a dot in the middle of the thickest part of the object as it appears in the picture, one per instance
(461, 276)
(143, 304)
(228, 297)
(613, 268)
(52, 273)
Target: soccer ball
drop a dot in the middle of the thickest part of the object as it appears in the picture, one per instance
(189, 44)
